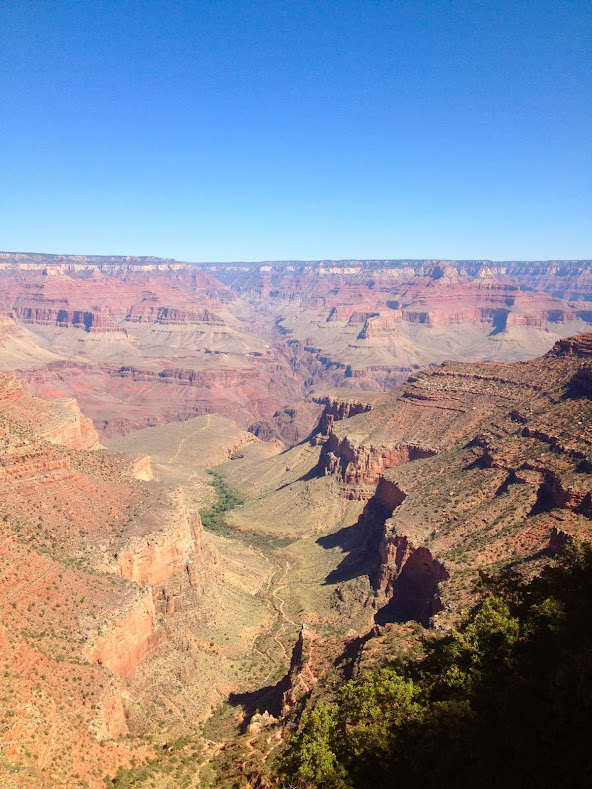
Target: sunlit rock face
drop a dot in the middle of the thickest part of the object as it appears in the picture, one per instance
(92, 557)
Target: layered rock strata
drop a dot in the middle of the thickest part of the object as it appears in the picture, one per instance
(59, 422)
(464, 467)
(252, 340)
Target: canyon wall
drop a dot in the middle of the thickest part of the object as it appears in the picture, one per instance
(464, 467)
(92, 559)
(252, 341)
(356, 464)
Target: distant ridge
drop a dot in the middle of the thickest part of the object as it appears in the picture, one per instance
(44, 259)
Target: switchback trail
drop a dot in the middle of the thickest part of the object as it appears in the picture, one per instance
(276, 604)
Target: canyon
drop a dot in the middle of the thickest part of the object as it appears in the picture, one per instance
(146, 341)
(391, 430)
(465, 470)
(463, 466)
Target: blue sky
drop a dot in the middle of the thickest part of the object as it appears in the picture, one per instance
(297, 129)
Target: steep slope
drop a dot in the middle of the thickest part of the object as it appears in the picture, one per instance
(509, 470)
(466, 468)
(88, 558)
(59, 422)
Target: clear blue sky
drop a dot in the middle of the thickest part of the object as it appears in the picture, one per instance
(277, 129)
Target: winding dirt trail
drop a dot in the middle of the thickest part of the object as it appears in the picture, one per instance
(276, 604)
(280, 610)
(275, 594)
(183, 440)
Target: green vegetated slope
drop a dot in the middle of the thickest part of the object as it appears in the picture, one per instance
(503, 700)
(213, 518)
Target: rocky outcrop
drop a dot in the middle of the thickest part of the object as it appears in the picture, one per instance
(408, 578)
(170, 315)
(122, 644)
(389, 495)
(175, 547)
(59, 422)
(338, 408)
(209, 379)
(77, 431)
(380, 326)
(557, 541)
(359, 464)
(554, 493)
(141, 468)
(574, 346)
(503, 454)
(26, 466)
(64, 318)
(478, 301)
(10, 391)
(301, 678)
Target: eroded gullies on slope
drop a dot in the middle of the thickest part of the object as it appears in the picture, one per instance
(92, 560)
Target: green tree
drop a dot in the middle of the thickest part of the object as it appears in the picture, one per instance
(311, 760)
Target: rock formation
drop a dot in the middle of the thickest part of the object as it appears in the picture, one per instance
(59, 422)
(464, 467)
(506, 464)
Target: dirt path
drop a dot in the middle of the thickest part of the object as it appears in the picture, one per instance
(183, 440)
(280, 610)
(276, 604)
(275, 594)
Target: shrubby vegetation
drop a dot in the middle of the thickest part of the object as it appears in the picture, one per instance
(213, 517)
(505, 700)
(174, 765)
